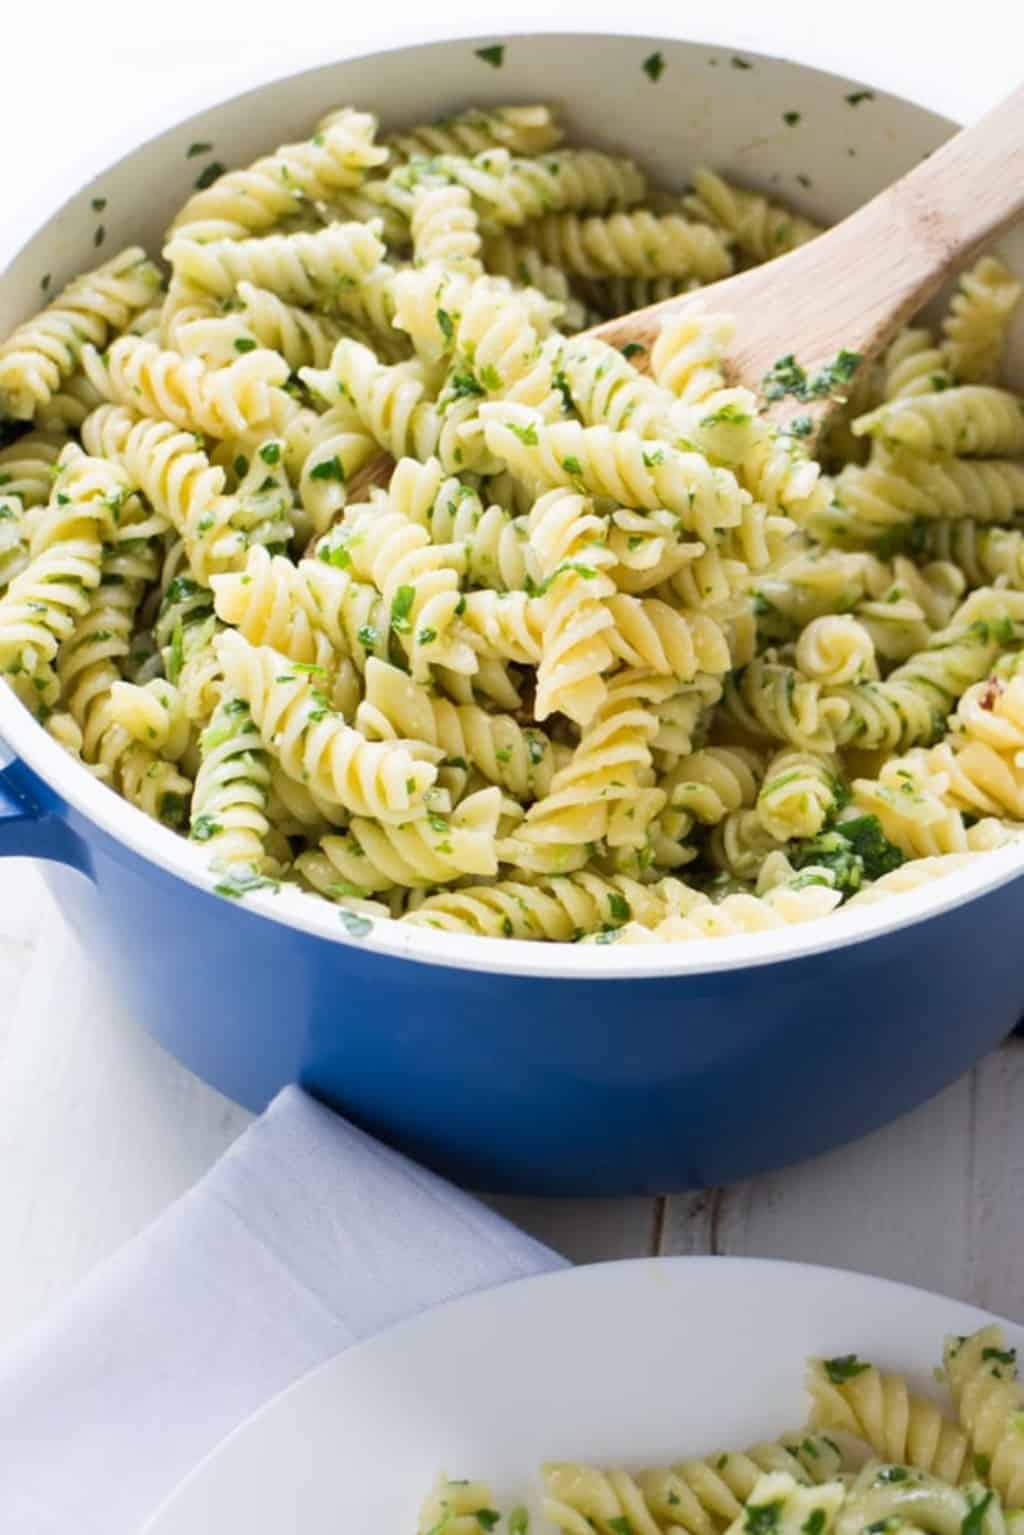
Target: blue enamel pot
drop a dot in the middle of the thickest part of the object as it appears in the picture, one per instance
(510, 1066)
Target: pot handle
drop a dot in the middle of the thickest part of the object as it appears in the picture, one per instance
(28, 829)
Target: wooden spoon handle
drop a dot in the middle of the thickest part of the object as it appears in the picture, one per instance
(855, 284)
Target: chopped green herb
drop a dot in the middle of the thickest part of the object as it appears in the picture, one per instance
(208, 175)
(518, 1522)
(271, 452)
(173, 809)
(973, 1521)
(620, 1525)
(336, 555)
(632, 349)
(367, 637)
(494, 55)
(245, 344)
(490, 378)
(487, 1518)
(464, 386)
(892, 1474)
(786, 376)
(240, 882)
(856, 97)
(845, 1366)
(619, 907)
(241, 466)
(204, 827)
(814, 1523)
(726, 415)
(573, 466)
(738, 63)
(982, 1465)
(401, 607)
(197, 149)
(100, 235)
(527, 434)
(1004, 1356)
(426, 636)
(791, 118)
(328, 469)
(654, 66)
(447, 325)
(98, 204)
(762, 1518)
(561, 383)
(44, 281)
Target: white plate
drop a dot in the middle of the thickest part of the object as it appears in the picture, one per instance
(624, 1363)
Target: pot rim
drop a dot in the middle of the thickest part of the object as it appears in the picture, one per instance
(26, 739)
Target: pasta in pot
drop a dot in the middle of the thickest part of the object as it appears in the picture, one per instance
(336, 549)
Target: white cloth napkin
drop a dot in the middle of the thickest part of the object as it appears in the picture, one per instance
(306, 1237)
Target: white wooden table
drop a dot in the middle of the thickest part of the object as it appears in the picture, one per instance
(99, 1130)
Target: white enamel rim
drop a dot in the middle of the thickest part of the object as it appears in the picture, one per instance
(732, 1320)
(311, 915)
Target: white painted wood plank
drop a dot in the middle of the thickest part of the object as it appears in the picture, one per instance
(930, 1200)
(585, 1230)
(99, 1131)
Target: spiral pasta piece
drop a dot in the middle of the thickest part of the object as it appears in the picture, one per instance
(314, 745)
(418, 580)
(232, 789)
(603, 791)
(302, 337)
(42, 605)
(219, 402)
(44, 352)
(760, 228)
(519, 759)
(982, 1376)
(913, 365)
(898, 1424)
(800, 792)
(701, 1496)
(737, 914)
(770, 699)
(504, 256)
(974, 330)
(969, 419)
(525, 130)
(27, 466)
(638, 244)
(622, 465)
(300, 268)
(870, 500)
(835, 649)
(509, 191)
(13, 541)
(368, 858)
(249, 202)
(455, 1507)
(445, 228)
(557, 909)
(686, 359)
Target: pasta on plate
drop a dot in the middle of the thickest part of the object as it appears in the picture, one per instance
(875, 1458)
(331, 544)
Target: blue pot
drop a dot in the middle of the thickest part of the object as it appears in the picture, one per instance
(553, 1083)
(509, 1066)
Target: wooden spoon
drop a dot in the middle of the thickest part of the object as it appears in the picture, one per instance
(846, 293)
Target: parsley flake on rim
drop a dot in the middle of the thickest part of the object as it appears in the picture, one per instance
(654, 67)
(354, 923)
(493, 55)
